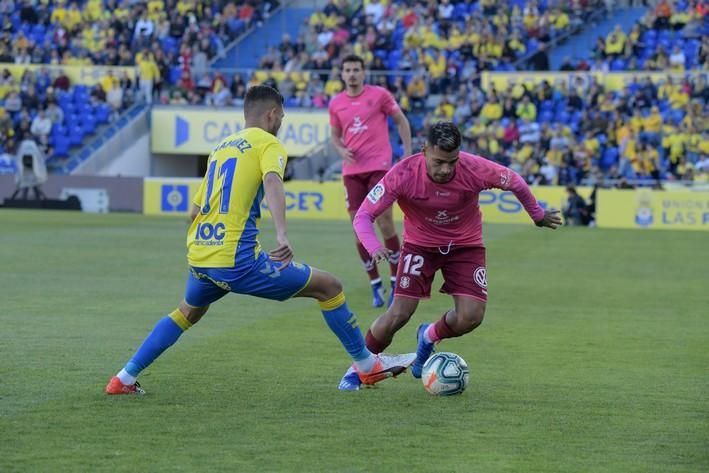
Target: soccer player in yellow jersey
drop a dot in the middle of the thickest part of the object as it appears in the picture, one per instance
(224, 253)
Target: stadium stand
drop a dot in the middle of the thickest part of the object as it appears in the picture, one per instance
(447, 42)
(558, 134)
(429, 55)
(164, 39)
(113, 32)
(672, 35)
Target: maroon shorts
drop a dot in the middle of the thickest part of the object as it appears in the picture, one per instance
(463, 271)
(357, 186)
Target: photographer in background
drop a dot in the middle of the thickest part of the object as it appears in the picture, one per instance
(31, 169)
(575, 210)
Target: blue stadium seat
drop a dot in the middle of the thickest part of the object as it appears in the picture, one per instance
(58, 130)
(69, 108)
(64, 98)
(86, 109)
(563, 117)
(618, 65)
(71, 120)
(76, 135)
(460, 11)
(547, 116)
(677, 116)
(61, 146)
(103, 113)
(88, 124)
(175, 74)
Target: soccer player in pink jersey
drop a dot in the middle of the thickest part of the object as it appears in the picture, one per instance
(438, 192)
(360, 133)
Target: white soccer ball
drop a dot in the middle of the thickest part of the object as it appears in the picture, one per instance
(445, 374)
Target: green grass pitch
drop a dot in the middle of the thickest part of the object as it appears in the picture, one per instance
(594, 357)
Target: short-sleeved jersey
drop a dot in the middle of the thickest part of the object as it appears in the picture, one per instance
(365, 131)
(225, 232)
(440, 214)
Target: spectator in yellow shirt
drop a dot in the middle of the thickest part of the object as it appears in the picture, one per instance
(652, 126)
(647, 161)
(333, 84)
(561, 20)
(492, 110)
(108, 81)
(149, 73)
(445, 109)
(678, 99)
(417, 89)
(527, 110)
(615, 42)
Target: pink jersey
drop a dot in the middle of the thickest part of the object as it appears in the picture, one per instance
(440, 215)
(363, 121)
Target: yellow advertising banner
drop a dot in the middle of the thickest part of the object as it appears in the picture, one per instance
(86, 75)
(326, 201)
(644, 208)
(611, 80)
(304, 199)
(198, 130)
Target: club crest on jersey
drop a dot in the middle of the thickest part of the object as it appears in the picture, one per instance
(404, 282)
(504, 178)
(376, 193)
(281, 161)
(480, 277)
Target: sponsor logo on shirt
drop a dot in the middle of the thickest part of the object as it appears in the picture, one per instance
(442, 194)
(480, 277)
(357, 127)
(442, 218)
(376, 193)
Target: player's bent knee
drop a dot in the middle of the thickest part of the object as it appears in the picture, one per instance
(472, 318)
(324, 286)
(334, 286)
(400, 315)
(192, 314)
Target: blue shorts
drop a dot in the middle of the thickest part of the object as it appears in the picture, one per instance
(263, 279)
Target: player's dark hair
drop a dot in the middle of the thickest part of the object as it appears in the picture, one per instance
(260, 95)
(353, 58)
(444, 135)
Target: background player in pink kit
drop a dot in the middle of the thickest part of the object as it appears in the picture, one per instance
(358, 119)
(438, 192)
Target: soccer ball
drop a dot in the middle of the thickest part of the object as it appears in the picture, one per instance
(445, 374)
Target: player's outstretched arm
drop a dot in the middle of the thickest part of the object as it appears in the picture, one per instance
(276, 198)
(404, 128)
(551, 219)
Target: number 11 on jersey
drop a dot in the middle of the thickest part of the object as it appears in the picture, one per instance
(226, 173)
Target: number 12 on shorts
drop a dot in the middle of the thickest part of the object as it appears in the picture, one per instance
(412, 264)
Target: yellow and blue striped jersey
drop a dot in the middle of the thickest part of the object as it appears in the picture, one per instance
(225, 232)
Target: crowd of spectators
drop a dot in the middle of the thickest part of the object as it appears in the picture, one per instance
(113, 32)
(163, 40)
(43, 105)
(446, 42)
(563, 134)
(559, 133)
(671, 36)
